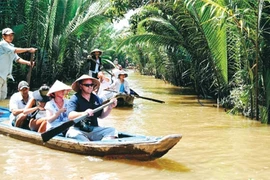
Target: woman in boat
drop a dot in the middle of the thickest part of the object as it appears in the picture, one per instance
(35, 107)
(84, 101)
(121, 85)
(17, 104)
(115, 73)
(94, 63)
(57, 106)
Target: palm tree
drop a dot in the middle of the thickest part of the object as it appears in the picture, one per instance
(219, 39)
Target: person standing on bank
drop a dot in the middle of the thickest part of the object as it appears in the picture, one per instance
(95, 62)
(85, 101)
(8, 54)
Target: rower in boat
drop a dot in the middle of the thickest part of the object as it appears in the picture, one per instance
(83, 102)
(121, 87)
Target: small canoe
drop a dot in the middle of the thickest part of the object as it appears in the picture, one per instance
(125, 100)
(127, 146)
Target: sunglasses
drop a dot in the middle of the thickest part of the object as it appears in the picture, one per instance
(88, 85)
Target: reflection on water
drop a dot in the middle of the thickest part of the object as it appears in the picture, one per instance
(215, 145)
(159, 164)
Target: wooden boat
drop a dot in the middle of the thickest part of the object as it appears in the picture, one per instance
(127, 146)
(125, 100)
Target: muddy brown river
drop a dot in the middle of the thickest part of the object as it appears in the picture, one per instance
(215, 145)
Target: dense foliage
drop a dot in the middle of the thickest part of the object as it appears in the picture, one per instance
(219, 48)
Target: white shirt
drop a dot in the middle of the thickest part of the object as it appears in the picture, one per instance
(16, 102)
(40, 114)
(52, 106)
(116, 86)
(7, 57)
(103, 85)
(97, 66)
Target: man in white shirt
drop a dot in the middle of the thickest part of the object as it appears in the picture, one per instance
(8, 55)
(17, 104)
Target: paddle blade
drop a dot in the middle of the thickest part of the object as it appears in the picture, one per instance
(46, 136)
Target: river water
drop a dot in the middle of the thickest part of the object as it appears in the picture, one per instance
(215, 145)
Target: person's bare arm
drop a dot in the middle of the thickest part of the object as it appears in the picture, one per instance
(74, 114)
(28, 63)
(29, 106)
(108, 109)
(23, 50)
(15, 112)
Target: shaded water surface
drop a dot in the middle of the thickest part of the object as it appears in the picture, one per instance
(215, 145)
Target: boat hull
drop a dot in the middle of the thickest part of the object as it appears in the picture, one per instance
(125, 100)
(127, 146)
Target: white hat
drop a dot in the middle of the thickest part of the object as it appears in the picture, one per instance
(23, 84)
(58, 86)
(76, 85)
(122, 73)
(96, 50)
(7, 31)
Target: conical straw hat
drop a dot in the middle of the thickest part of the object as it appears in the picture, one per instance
(76, 86)
(58, 86)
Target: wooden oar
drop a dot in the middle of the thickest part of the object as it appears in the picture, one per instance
(133, 93)
(150, 99)
(28, 76)
(46, 136)
(147, 98)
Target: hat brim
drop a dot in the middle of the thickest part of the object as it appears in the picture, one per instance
(38, 97)
(23, 87)
(126, 75)
(96, 50)
(7, 31)
(76, 85)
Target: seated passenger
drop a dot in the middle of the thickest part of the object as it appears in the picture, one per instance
(35, 107)
(115, 73)
(84, 101)
(57, 106)
(104, 84)
(17, 104)
(121, 85)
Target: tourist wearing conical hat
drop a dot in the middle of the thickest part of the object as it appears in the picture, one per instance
(94, 63)
(85, 101)
(57, 106)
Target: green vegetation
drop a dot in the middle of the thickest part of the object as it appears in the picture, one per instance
(219, 48)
